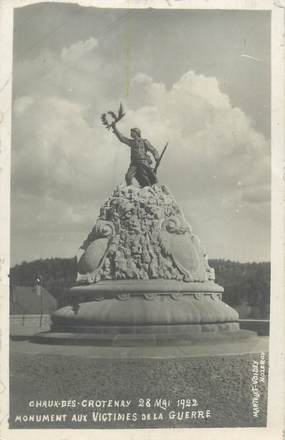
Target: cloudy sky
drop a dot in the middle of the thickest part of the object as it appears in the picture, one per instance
(197, 79)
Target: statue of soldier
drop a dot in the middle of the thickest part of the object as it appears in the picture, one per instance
(141, 167)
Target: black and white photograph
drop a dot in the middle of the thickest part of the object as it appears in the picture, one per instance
(143, 280)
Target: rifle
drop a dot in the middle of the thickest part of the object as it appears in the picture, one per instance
(159, 160)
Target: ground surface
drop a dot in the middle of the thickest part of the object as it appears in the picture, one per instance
(221, 379)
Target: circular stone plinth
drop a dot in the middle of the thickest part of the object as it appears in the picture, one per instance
(202, 309)
(144, 303)
(145, 340)
(146, 307)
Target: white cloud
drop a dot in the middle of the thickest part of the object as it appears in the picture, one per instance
(75, 52)
(62, 150)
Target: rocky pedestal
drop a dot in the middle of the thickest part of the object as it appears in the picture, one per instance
(141, 271)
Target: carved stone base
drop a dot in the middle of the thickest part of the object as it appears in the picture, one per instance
(144, 307)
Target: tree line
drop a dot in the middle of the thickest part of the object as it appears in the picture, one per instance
(243, 282)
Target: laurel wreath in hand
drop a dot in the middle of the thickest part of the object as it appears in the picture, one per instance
(115, 118)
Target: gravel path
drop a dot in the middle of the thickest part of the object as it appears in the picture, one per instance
(220, 384)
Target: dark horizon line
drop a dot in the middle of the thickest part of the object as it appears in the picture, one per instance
(209, 259)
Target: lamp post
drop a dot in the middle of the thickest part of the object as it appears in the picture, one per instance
(38, 287)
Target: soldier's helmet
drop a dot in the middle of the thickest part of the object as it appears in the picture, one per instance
(136, 130)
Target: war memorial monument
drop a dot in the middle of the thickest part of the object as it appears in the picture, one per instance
(144, 339)
(108, 210)
(142, 273)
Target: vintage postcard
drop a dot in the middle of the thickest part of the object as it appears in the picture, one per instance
(142, 219)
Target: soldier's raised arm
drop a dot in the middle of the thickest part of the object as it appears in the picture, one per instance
(121, 137)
